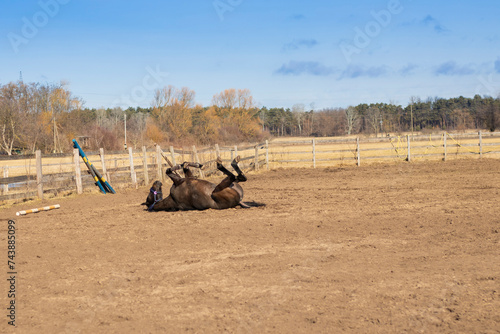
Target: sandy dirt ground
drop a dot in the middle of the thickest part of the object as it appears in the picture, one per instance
(376, 249)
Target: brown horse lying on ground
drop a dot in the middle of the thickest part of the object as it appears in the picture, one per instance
(190, 193)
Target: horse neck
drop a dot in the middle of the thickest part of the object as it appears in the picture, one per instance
(166, 204)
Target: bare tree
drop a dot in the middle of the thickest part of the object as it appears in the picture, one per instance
(163, 96)
(100, 117)
(374, 118)
(245, 99)
(226, 100)
(137, 126)
(10, 105)
(8, 123)
(298, 112)
(351, 117)
(30, 113)
(237, 113)
(173, 110)
(312, 105)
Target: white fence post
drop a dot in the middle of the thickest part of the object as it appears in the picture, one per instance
(172, 154)
(217, 150)
(409, 149)
(267, 154)
(445, 145)
(145, 161)
(358, 155)
(103, 163)
(133, 176)
(197, 159)
(159, 163)
(480, 144)
(78, 172)
(39, 174)
(256, 163)
(314, 152)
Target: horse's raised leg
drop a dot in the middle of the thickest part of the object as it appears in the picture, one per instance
(186, 170)
(241, 177)
(228, 180)
(177, 179)
(171, 172)
(223, 169)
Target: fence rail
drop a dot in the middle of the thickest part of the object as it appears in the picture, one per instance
(36, 175)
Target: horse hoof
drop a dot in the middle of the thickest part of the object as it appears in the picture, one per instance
(237, 159)
(219, 160)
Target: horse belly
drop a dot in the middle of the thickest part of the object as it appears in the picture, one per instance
(227, 198)
(200, 201)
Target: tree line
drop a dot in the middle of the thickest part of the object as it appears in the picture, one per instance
(432, 114)
(47, 116)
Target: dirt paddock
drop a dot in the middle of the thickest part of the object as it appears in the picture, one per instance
(375, 249)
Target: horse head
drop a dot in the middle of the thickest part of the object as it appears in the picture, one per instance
(155, 195)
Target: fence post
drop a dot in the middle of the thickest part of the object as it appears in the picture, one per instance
(132, 171)
(358, 154)
(314, 152)
(267, 154)
(192, 155)
(217, 150)
(5, 187)
(235, 151)
(480, 144)
(158, 163)
(196, 159)
(445, 147)
(145, 160)
(103, 163)
(256, 162)
(39, 174)
(172, 154)
(409, 151)
(78, 172)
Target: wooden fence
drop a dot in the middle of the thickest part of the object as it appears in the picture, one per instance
(38, 175)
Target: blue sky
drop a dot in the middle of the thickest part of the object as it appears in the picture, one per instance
(320, 53)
